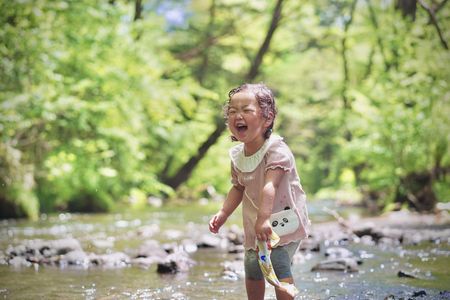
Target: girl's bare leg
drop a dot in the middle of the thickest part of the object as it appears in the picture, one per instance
(255, 289)
(282, 295)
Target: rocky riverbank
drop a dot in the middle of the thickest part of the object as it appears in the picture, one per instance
(332, 243)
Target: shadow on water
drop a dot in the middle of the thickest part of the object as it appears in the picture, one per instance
(107, 233)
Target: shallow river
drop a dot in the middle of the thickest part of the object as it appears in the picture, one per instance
(377, 277)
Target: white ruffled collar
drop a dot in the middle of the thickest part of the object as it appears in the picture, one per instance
(249, 163)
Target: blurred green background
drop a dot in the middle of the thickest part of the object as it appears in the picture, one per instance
(105, 104)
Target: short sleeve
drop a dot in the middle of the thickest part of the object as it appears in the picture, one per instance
(279, 156)
(234, 176)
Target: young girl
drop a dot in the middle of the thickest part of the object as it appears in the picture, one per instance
(265, 180)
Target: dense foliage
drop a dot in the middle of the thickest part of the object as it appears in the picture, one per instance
(112, 101)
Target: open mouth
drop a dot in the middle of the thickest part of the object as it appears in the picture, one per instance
(241, 127)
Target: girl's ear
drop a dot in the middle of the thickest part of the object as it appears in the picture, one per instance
(269, 119)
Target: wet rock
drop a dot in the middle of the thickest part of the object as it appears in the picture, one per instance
(76, 258)
(178, 261)
(337, 237)
(3, 260)
(189, 246)
(310, 244)
(167, 267)
(235, 235)
(112, 260)
(209, 241)
(385, 241)
(367, 240)
(403, 274)
(169, 247)
(234, 249)
(233, 269)
(39, 251)
(368, 229)
(64, 246)
(229, 275)
(338, 252)
(391, 233)
(151, 248)
(339, 264)
(144, 262)
(419, 294)
(413, 238)
(19, 261)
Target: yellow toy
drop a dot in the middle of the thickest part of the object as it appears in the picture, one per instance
(264, 251)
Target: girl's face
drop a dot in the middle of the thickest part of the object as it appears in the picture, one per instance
(245, 119)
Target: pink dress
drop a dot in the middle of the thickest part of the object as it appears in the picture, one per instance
(249, 172)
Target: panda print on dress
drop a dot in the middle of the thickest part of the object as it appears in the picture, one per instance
(284, 222)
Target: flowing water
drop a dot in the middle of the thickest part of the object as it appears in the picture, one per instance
(377, 277)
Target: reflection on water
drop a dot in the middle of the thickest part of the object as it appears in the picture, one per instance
(109, 233)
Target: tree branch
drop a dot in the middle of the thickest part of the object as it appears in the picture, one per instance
(344, 56)
(432, 13)
(185, 171)
(209, 36)
(374, 20)
(276, 16)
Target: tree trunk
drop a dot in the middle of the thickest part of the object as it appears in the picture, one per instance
(416, 189)
(407, 7)
(254, 69)
(209, 36)
(432, 10)
(185, 171)
(138, 10)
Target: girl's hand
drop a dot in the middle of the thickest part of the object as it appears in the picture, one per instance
(263, 229)
(217, 221)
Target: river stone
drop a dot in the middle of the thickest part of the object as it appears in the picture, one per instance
(235, 249)
(444, 294)
(144, 262)
(3, 259)
(229, 275)
(151, 248)
(176, 262)
(64, 246)
(112, 260)
(338, 252)
(310, 244)
(339, 264)
(18, 262)
(189, 246)
(368, 229)
(419, 293)
(41, 251)
(235, 235)
(209, 241)
(233, 267)
(405, 274)
(76, 257)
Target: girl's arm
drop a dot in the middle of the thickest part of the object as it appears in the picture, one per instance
(263, 229)
(234, 198)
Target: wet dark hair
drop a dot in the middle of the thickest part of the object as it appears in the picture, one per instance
(265, 98)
